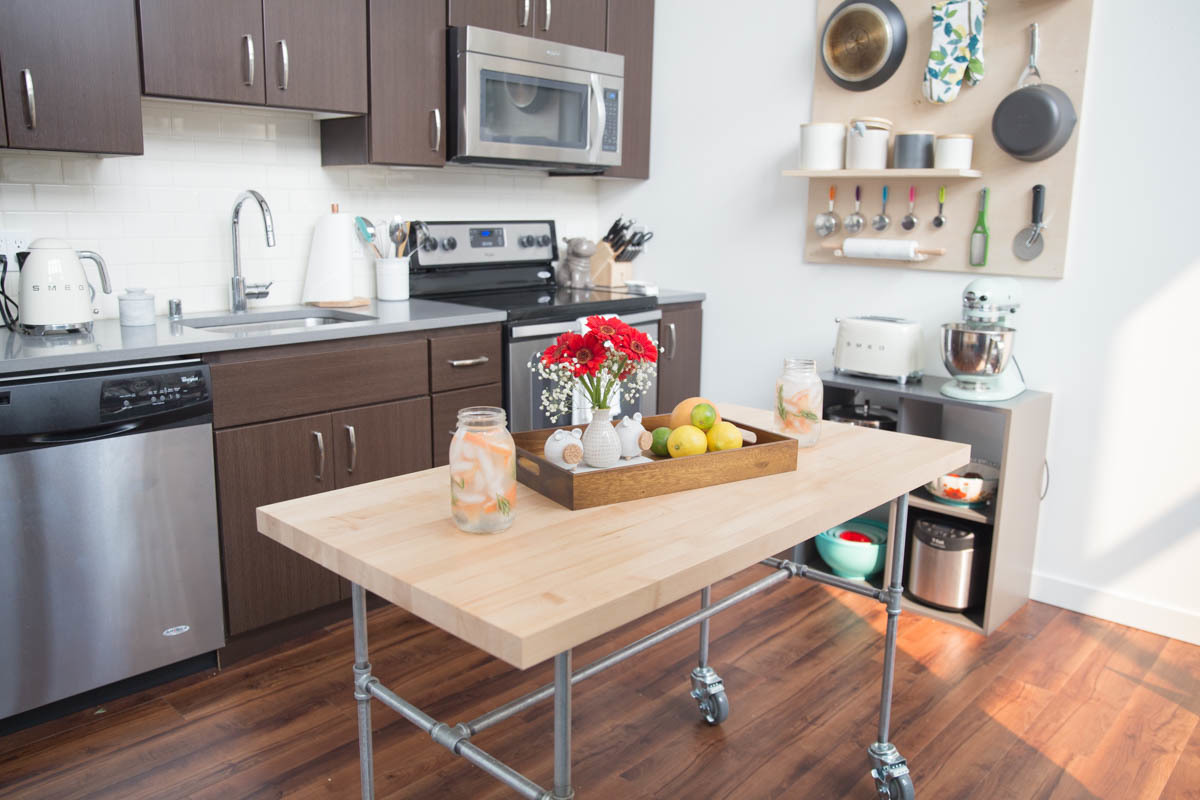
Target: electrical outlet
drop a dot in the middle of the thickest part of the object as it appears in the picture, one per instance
(13, 242)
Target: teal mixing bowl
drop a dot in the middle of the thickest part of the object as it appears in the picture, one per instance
(850, 559)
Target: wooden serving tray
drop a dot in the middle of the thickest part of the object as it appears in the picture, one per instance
(770, 455)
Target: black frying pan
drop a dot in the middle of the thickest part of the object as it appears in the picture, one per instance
(1035, 121)
(863, 43)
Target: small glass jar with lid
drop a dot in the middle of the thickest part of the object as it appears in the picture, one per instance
(483, 471)
(798, 397)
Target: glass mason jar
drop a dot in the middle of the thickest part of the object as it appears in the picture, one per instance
(483, 471)
(798, 396)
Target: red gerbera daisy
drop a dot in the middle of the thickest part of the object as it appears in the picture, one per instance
(589, 355)
(563, 349)
(606, 328)
(640, 347)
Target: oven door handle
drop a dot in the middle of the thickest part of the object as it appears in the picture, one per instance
(555, 328)
(599, 121)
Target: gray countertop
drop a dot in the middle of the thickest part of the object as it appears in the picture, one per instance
(668, 296)
(109, 342)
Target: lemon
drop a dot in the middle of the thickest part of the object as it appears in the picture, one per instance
(724, 436)
(686, 440)
(704, 416)
(659, 445)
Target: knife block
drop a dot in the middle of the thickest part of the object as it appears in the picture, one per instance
(607, 272)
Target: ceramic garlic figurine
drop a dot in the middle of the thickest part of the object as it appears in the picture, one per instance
(634, 438)
(563, 448)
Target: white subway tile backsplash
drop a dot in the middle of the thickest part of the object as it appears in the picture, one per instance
(31, 169)
(123, 198)
(48, 197)
(94, 171)
(15, 196)
(94, 225)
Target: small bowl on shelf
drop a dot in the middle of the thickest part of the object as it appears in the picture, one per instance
(854, 549)
(974, 484)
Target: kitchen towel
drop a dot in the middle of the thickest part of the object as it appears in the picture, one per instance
(956, 51)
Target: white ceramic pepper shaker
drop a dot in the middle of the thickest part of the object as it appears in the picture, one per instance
(136, 307)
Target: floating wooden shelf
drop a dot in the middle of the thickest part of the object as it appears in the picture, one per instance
(921, 498)
(885, 174)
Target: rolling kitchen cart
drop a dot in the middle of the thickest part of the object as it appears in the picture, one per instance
(559, 578)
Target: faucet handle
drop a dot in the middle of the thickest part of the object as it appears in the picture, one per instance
(257, 291)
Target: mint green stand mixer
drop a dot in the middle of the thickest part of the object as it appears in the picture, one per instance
(977, 352)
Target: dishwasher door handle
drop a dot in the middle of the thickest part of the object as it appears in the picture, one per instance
(320, 473)
(87, 435)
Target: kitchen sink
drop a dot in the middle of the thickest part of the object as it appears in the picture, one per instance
(259, 322)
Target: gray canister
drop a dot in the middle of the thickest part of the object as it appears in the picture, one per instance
(913, 150)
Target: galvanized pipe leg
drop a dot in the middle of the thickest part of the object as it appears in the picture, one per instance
(705, 602)
(562, 727)
(707, 687)
(362, 694)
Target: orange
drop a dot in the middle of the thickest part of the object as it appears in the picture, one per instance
(682, 415)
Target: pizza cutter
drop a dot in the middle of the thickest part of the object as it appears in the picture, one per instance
(1031, 239)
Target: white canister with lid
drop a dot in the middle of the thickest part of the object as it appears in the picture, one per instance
(867, 143)
(136, 307)
(822, 145)
(953, 151)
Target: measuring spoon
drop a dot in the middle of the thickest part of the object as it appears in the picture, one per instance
(910, 219)
(827, 222)
(940, 219)
(854, 223)
(881, 220)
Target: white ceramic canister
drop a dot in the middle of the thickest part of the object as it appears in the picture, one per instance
(867, 143)
(136, 307)
(391, 278)
(953, 151)
(822, 145)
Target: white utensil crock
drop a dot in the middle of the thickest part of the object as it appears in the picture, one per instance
(391, 278)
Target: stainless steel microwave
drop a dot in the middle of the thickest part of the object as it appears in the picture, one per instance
(520, 101)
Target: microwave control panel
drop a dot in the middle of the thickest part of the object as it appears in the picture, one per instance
(611, 122)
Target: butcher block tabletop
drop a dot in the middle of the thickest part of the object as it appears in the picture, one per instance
(558, 578)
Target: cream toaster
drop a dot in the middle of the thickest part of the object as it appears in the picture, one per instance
(878, 347)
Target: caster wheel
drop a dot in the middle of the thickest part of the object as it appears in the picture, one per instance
(715, 708)
(900, 788)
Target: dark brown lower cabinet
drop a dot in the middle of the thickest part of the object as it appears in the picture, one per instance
(256, 465)
(445, 414)
(679, 363)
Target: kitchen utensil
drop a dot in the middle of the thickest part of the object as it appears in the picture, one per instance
(974, 484)
(1035, 121)
(855, 222)
(863, 43)
(847, 554)
(822, 145)
(366, 231)
(977, 352)
(979, 234)
(881, 221)
(1031, 239)
(398, 233)
(329, 276)
(54, 263)
(940, 219)
(827, 222)
(949, 563)
(867, 143)
(910, 219)
(953, 151)
(879, 347)
(885, 249)
(136, 308)
(864, 416)
(913, 150)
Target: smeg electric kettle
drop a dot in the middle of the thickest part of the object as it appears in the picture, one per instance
(55, 294)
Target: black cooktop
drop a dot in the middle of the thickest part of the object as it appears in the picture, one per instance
(553, 302)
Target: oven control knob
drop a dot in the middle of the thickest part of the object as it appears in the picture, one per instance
(429, 245)
(543, 240)
(526, 241)
(449, 243)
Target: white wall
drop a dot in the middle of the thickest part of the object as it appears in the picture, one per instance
(162, 220)
(1114, 341)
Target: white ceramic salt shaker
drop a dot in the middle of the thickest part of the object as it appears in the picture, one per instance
(634, 438)
(136, 307)
(563, 448)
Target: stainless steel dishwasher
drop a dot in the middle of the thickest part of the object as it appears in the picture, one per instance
(109, 557)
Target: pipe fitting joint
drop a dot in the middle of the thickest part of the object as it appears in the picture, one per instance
(450, 737)
(362, 682)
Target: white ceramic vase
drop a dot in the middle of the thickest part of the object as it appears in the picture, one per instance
(601, 444)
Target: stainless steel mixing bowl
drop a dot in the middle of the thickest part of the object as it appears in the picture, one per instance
(976, 350)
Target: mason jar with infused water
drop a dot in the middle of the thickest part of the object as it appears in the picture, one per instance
(483, 471)
(798, 398)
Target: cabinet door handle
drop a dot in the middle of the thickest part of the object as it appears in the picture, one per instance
(320, 473)
(467, 362)
(436, 130)
(30, 102)
(525, 16)
(671, 349)
(283, 64)
(549, 9)
(249, 40)
(353, 448)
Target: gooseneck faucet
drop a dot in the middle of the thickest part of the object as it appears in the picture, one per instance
(239, 290)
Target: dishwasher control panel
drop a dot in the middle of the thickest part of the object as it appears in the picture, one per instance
(134, 396)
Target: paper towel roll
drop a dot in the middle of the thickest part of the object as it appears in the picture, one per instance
(889, 249)
(329, 277)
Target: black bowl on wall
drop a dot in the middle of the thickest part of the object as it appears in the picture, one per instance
(863, 43)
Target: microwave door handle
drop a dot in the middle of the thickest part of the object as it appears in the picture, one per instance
(599, 122)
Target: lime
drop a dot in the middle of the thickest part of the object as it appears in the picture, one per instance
(703, 416)
(659, 445)
(686, 440)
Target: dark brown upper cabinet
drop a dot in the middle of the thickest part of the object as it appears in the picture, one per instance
(577, 22)
(631, 33)
(510, 16)
(408, 91)
(70, 75)
(316, 54)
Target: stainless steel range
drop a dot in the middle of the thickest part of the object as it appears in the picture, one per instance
(509, 266)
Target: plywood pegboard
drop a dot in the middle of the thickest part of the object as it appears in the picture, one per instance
(1064, 28)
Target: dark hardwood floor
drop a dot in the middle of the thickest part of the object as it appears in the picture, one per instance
(1052, 705)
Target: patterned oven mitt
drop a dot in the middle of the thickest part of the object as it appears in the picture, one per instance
(956, 51)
